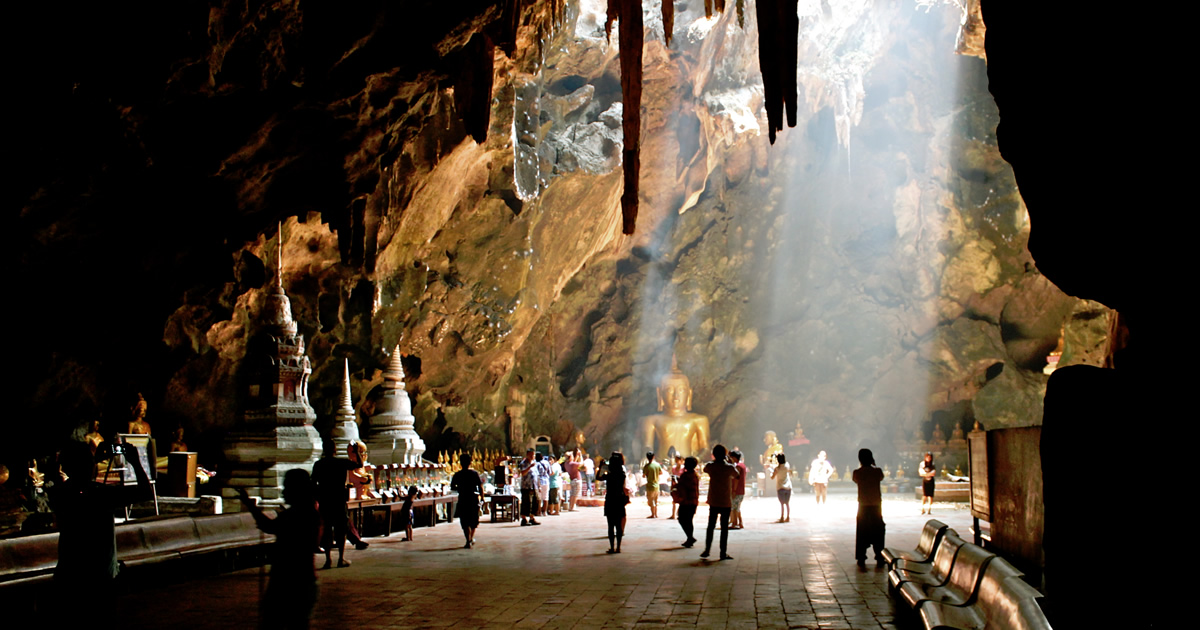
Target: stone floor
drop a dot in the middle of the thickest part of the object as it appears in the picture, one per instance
(800, 574)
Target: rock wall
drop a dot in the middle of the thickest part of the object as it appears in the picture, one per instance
(865, 276)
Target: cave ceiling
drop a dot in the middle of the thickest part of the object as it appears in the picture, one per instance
(863, 274)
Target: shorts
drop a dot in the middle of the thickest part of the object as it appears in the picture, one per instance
(651, 495)
(553, 495)
(737, 502)
(785, 494)
(543, 493)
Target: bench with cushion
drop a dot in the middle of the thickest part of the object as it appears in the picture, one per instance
(935, 573)
(931, 535)
(32, 559)
(28, 559)
(1002, 601)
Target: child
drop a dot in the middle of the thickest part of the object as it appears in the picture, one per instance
(871, 528)
(406, 514)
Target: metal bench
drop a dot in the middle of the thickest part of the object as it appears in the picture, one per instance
(32, 559)
(936, 573)
(931, 535)
(962, 585)
(1003, 601)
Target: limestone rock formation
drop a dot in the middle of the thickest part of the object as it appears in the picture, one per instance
(863, 273)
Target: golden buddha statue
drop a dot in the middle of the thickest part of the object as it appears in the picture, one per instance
(676, 426)
(138, 424)
(771, 441)
(93, 438)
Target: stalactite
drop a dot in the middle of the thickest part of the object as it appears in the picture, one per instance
(778, 33)
(668, 15)
(628, 14)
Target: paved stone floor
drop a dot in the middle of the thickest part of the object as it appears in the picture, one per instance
(800, 574)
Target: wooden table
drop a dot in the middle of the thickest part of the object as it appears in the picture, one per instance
(503, 507)
(381, 516)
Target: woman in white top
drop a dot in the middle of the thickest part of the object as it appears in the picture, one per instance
(783, 487)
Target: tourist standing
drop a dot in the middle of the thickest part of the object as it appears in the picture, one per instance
(819, 473)
(721, 475)
(529, 499)
(870, 526)
(615, 500)
(469, 486)
(676, 470)
(687, 495)
(292, 589)
(329, 479)
(572, 468)
(555, 484)
(783, 487)
(739, 491)
(928, 472)
(652, 470)
(589, 474)
(407, 514)
(543, 483)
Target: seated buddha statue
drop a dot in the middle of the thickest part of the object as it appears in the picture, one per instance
(675, 426)
(771, 441)
(138, 424)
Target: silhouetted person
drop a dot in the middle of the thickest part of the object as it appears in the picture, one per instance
(329, 481)
(615, 500)
(87, 542)
(292, 590)
(722, 473)
(687, 495)
(928, 471)
(469, 486)
(871, 528)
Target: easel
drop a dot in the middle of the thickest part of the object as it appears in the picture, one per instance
(125, 475)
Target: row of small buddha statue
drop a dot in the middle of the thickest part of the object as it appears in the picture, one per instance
(481, 462)
(937, 443)
(390, 482)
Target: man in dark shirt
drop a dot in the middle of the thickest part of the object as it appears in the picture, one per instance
(870, 526)
(329, 478)
(722, 474)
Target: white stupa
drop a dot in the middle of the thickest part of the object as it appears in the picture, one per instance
(392, 438)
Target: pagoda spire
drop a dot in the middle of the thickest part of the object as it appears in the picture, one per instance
(279, 259)
(345, 427)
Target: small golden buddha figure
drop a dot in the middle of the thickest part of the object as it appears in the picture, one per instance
(771, 441)
(178, 445)
(676, 426)
(939, 436)
(138, 424)
(93, 438)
